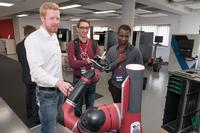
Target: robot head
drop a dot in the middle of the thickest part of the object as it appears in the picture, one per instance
(91, 121)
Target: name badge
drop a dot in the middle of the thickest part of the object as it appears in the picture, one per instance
(119, 78)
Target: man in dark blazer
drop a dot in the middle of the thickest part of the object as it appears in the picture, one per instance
(31, 106)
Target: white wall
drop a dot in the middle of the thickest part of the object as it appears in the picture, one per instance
(112, 23)
(189, 24)
(172, 20)
(16, 29)
(21, 22)
(186, 24)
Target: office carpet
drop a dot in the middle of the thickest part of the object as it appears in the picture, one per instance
(12, 89)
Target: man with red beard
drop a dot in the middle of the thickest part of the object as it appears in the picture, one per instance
(44, 59)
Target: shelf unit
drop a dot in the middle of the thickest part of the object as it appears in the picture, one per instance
(182, 102)
(64, 37)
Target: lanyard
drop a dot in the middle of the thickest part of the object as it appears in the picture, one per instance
(84, 54)
(119, 69)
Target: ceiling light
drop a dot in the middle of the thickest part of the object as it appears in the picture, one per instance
(101, 12)
(22, 15)
(6, 4)
(70, 6)
(74, 19)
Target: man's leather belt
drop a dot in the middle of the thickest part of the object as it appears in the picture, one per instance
(47, 88)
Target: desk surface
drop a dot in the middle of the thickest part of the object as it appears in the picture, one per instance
(59, 129)
(9, 121)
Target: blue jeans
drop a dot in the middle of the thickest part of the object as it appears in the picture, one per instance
(89, 97)
(50, 103)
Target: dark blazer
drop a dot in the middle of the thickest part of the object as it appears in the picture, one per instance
(21, 53)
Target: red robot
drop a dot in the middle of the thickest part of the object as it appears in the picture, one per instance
(124, 117)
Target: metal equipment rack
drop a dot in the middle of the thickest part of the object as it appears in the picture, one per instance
(182, 101)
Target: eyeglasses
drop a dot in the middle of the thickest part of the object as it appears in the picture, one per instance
(84, 28)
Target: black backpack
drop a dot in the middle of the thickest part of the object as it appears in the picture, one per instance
(77, 47)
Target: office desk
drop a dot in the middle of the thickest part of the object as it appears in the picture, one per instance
(9, 121)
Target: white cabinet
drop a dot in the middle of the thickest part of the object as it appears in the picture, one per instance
(8, 46)
(2, 47)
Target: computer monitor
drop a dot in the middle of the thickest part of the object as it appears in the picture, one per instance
(186, 47)
(110, 40)
(64, 35)
(158, 39)
(186, 44)
(96, 37)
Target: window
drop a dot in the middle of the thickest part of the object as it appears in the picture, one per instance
(99, 34)
(158, 30)
(99, 29)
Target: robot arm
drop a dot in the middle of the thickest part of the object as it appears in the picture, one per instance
(70, 120)
(103, 118)
(91, 76)
(124, 116)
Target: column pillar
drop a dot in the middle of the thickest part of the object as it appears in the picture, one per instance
(128, 13)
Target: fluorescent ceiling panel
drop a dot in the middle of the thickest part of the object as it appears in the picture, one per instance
(104, 6)
(74, 19)
(75, 11)
(22, 15)
(153, 15)
(6, 4)
(101, 12)
(70, 6)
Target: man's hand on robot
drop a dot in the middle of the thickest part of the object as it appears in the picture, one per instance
(69, 90)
